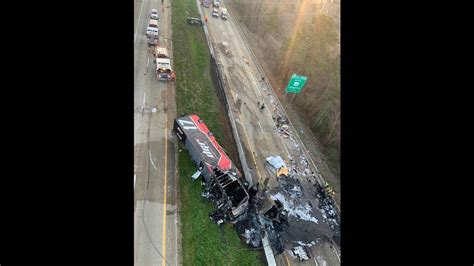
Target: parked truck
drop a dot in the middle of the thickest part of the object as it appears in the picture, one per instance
(160, 52)
(152, 32)
(152, 39)
(164, 72)
(206, 3)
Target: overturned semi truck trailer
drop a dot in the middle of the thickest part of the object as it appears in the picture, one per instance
(222, 178)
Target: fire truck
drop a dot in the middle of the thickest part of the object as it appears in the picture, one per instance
(164, 72)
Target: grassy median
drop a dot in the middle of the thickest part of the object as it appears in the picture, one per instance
(203, 242)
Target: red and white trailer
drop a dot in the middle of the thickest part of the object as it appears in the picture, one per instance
(222, 178)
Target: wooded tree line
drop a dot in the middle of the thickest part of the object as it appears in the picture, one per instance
(314, 56)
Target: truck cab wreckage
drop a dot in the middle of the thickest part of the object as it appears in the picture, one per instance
(257, 217)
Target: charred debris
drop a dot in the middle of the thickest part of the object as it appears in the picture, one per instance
(250, 209)
(254, 211)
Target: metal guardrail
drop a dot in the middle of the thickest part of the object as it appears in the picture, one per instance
(238, 142)
(268, 251)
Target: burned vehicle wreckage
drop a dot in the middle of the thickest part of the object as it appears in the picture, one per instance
(254, 214)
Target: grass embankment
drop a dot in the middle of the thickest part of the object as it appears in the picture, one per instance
(203, 242)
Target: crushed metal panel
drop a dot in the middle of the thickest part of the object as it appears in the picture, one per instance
(194, 21)
(300, 253)
(270, 208)
(196, 175)
(281, 121)
(276, 162)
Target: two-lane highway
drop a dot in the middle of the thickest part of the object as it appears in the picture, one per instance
(155, 214)
(256, 126)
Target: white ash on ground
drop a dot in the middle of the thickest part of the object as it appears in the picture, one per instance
(310, 244)
(300, 253)
(299, 211)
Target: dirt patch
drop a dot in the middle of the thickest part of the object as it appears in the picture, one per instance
(238, 104)
(228, 142)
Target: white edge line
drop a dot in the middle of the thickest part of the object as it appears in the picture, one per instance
(260, 126)
(151, 160)
(335, 251)
(144, 99)
(138, 24)
(147, 63)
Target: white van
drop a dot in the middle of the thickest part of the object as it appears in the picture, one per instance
(152, 29)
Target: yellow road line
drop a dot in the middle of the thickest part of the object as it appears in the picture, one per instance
(163, 242)
(253, 156)
(287, 261)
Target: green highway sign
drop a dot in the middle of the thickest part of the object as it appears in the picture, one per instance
(296, 84)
